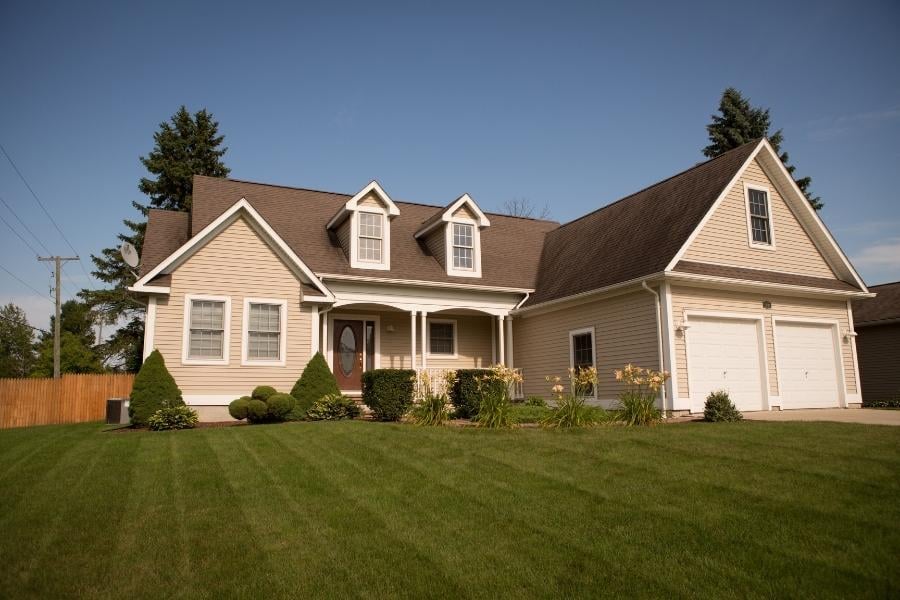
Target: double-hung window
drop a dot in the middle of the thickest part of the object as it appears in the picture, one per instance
(760, 220)
(442, 338)
(207, 330)
(581, 349)
(371, 237)
(264, 332)
(463, 246)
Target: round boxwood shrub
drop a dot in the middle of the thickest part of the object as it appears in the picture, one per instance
(152, 386)
(466, 394)
(388, 392)
(257, 411)
(279, 406)
(262, 392)
(719, 407)
(316, 381)
(238, 408)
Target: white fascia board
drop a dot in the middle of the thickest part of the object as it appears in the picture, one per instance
(712, 209)
(588, 296)
(447, 215)
(353, 203)
(760, 286)
(213, 229)
(148, 289)
(420, 283)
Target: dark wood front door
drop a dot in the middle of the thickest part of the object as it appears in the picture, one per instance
(348, 354)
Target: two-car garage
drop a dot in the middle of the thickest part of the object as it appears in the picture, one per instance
(732, 353)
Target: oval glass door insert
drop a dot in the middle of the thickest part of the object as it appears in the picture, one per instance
(347, 350)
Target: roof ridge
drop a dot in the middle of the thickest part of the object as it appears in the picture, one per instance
(883, 284)
(660, 182)
(305, 189)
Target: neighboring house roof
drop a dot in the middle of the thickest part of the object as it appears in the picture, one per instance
(885, 306)
(511, 247)
(636, 236)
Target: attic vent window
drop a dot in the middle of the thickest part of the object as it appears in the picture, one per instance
(463, 246)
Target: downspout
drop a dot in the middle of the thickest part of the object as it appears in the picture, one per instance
(524, 300)
(659, 342)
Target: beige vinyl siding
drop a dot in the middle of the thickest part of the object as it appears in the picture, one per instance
(236, 263)
(464, 212)
(371, 200)
(724, 238)
(698, 299)
(877, 348)
(436, 244)
(625, 332)
(473, 339)
(343, 234)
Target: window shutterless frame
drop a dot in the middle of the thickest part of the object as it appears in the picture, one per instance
(760, 224)
(582, 341)
(247, 359)
(186, 357)
(462, 250)
(441, 340)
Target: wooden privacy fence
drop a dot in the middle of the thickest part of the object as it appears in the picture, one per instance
(70, 399)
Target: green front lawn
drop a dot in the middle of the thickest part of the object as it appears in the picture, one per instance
(375, 510)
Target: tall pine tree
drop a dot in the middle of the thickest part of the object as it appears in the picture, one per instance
(184, 146)
(738, 123)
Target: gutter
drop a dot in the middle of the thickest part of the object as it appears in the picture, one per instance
(659, 341)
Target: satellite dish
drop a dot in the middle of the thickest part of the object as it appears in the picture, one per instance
(129, 254)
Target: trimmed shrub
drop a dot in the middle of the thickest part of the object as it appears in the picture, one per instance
(535, 401)
(315, 382)
(262, 392)
(257, 411)
(152, 386)
(170, 418)
(333, 407)
(720, 408)
(280, 406)
(388, 392)
(465, 394)
(238, 408)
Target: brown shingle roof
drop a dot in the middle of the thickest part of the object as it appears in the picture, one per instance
(166, 231)
(885, 306)
(635, 236)
(511, 246)
(684, 266)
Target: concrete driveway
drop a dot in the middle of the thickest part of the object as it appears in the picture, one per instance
(868, 416)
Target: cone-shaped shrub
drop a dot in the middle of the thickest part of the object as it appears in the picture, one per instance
(317, 381)
(152, 385)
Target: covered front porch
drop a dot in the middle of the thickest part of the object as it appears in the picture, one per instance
(357, 337)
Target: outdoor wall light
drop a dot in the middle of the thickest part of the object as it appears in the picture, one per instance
(849, 335)
(767, 304)
(683, 327)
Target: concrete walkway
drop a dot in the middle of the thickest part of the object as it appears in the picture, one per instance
(868, 416)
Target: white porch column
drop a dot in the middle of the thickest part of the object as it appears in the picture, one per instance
(424, 340)
(314, 327)
(501, 336)
(509, 340)
(324, 345)
(493, 344)
(412, 329)
(150, 326)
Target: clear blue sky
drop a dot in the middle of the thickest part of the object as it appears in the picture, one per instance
(574, 105)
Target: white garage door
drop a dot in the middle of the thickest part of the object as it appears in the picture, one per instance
(807, 371)
(723, 354)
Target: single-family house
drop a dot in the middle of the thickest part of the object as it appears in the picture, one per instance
(877, 323)
(722, 275)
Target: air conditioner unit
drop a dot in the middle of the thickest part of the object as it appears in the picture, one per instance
(117, 411)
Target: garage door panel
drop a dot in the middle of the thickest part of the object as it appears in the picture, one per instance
(724, 355)
(807, 365)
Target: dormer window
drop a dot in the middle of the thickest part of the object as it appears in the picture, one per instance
(370, 237)
(463, 246)
(759, 218)
(363, 228)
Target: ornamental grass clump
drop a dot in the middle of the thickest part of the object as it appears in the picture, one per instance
(637, 403)
(571, 409)
(432, 408)
(494, 407)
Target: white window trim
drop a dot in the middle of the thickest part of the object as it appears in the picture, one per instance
(355, 262)
(440, 355)
(582, 331)
(246, 361)
(475, 271)
(759, 188)
(186, 331)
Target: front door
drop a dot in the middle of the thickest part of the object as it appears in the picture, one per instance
(348, 354)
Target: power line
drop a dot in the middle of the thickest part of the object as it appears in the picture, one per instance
(7, 319)
(11, 274)
(24, 241)
(43, 208)
(22, 223)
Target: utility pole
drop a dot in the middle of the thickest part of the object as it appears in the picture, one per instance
(58, 260)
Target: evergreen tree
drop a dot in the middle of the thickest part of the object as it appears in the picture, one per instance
(16, 342)
(739, 123)
(184, 146)
(153, 386)
(77, 352)
(316, 381)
